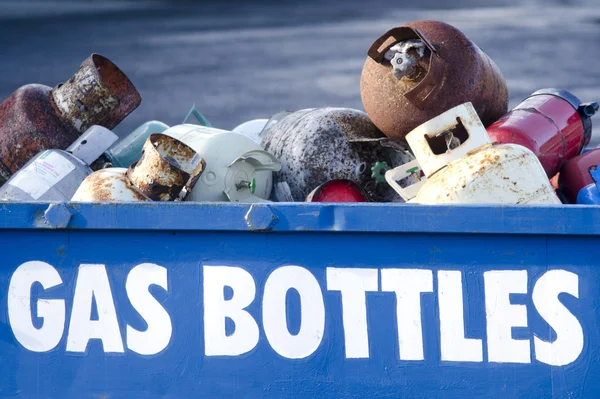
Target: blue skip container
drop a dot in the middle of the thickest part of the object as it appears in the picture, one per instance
(182, 300)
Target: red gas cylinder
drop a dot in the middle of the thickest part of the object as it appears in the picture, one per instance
(552, 123)
(575, 175)
(338, 191)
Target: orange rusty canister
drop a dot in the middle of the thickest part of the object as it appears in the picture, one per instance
(417, 71)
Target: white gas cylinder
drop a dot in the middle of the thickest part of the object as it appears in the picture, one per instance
(461, 165)
(110, 184)
(237, 169)
(252, 129)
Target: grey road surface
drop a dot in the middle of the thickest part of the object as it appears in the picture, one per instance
(239, 60)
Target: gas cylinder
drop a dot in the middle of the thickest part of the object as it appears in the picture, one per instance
(55, 175)
(320, 144)
(167, 171)
(552, 123)
(338, 191)
(129, 149)
(36, 117)
(252, 128)
(574, 175)
(590, 194)
(237, 169)
(419, 70)
(461, 165)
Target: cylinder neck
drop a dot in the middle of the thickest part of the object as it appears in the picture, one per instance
(98, 94)
(91, 144)
(167, 170)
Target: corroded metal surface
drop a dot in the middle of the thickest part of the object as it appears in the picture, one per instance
(457, 72)
(98, 94)
(408, 58)
(318, 145)
(167, 170)
(28, 125)
(32, 121)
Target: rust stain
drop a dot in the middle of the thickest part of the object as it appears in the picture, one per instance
(493, 175)
(167, 171)
(166, 167)
(98, 93)
(108, 185)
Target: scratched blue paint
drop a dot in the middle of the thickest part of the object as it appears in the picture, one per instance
(184, 237)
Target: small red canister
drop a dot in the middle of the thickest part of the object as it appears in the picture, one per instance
(338, 191)
(552, 123)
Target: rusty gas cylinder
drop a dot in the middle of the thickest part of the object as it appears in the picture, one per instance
(321, 144)
(417, 71)
(552, 123)
(167, 171)
(37, 117)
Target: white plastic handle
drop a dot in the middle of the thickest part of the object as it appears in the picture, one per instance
(418, 138)
(392, 176)
(251, 158)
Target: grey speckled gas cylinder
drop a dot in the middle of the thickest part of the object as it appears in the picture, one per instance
(55, 175)
(321, 144)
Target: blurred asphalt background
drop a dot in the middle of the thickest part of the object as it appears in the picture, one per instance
(239, 60)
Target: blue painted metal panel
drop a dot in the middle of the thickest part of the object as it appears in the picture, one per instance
(507, 256)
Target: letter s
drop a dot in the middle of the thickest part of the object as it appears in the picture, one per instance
(569, 342)
(158, 334)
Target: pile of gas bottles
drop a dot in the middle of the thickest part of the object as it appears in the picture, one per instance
(437, 129)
